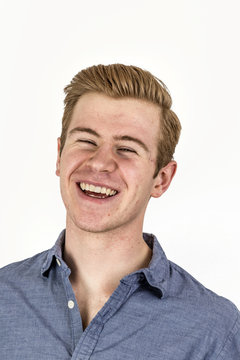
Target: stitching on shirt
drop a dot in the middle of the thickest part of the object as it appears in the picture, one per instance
(230, 337)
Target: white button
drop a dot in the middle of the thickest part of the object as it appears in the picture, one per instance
(71, 304)
(58, 262)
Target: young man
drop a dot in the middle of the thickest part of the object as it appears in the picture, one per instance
(105, 290)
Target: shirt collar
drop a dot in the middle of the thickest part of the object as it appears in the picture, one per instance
(156, 274)
(158, 271)
(53, 254)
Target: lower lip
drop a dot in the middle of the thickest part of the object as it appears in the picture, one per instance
(94, 200)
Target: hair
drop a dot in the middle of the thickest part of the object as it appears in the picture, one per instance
(118, 81)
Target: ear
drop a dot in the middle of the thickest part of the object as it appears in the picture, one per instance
(163, 179)
(58, 157)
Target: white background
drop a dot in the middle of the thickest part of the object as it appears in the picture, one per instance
(193, 46)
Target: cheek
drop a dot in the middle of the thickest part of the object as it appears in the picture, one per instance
(131, 168)
(70, 161)
(138, 175)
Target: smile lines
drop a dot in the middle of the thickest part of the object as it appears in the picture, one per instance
(97, 189)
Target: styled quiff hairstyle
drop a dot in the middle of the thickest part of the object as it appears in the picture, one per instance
(118, 81)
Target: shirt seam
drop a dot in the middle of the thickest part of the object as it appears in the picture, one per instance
(229, 338)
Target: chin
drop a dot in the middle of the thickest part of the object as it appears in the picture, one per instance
(95, 229)
(94, 226)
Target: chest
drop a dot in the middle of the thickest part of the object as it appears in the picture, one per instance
(89, 304)
(135, 325)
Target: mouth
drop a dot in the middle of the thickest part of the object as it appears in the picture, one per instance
(98, 192)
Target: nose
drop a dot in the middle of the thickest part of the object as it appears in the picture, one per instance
(102, 160)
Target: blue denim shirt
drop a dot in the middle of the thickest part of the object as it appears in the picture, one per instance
(159, 312)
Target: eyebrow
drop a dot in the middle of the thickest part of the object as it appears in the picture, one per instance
(131, 138)
(116, 137)
(83, 129)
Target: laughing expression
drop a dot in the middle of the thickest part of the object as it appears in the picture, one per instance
(107, 163)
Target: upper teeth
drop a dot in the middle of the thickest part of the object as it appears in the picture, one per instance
(97, 189)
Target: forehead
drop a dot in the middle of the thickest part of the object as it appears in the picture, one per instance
(102, 112)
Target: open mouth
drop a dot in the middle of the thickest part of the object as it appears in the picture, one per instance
(97, 191)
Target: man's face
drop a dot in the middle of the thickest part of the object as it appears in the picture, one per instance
(107, 164)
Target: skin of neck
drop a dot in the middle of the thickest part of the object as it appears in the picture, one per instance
(98, 261)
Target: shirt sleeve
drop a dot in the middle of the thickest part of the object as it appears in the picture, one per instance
(231, 348)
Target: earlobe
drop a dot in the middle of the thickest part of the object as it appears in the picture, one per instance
(58, 157)
(164, 179)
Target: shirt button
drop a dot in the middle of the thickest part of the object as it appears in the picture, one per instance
(71, 304)
(58, 262)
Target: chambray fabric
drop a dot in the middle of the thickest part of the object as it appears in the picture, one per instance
(159, 312)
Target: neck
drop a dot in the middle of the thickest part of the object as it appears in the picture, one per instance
(98, 261)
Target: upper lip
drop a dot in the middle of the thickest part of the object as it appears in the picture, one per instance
(107, 186)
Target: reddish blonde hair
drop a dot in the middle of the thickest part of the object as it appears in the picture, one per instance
(118, 80)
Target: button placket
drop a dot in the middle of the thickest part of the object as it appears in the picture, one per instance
(71, 304)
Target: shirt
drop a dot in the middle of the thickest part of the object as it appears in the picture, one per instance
(158, 312)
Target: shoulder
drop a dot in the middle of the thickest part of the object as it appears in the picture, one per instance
(23, 268)
(22, 283)
(218, 313)
(184, 286)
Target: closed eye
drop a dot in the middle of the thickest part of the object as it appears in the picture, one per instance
(86, 141)
(127, 150)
